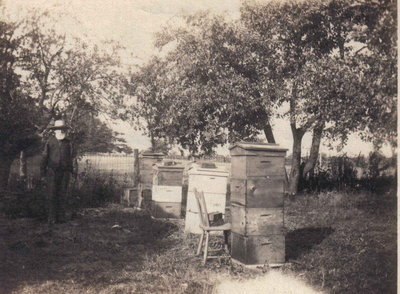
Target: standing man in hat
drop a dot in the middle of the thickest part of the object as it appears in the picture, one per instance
(56, 166)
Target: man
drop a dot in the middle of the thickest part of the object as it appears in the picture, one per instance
(56, 166)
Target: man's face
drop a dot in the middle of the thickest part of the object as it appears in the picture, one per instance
(60, 134)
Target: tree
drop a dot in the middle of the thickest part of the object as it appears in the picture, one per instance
(198, 97)
(225, 80)
(325, 78)
(17, 112)
(57, 76)
(148, 110)
(67, 77)
(93, 135)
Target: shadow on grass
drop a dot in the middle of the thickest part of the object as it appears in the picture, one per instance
(302, 240)
(91, 251)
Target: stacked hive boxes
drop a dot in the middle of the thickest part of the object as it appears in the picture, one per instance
(167, 190)
(213, 182)
(146, 163)
(257, 186)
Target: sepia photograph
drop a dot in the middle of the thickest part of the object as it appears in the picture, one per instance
(198, 146)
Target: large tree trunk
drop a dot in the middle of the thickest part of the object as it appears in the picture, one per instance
(5, 167)
(153, 143)
(296, 160)
(314, 151)
(268, 133)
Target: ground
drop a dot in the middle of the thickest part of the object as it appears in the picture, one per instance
(335, 243)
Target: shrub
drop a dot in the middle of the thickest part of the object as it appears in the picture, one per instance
(340, 174)
(19, 204)
(92, 188)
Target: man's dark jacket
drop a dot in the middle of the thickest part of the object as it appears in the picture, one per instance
(56, 155)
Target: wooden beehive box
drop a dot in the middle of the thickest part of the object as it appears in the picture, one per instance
(167, 190)
(257, 187)
(256, 221)
(213, 181)
(166, 209)
(260, 249)
(168, 174)
(257, 160)
(146, 163)
(260, 191)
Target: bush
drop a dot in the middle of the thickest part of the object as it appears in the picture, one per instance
(340, 174)
(92, 188)
(20, 204)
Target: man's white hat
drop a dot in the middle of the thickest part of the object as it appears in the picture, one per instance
(59, 125)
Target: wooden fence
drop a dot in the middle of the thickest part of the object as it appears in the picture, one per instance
(121, 166)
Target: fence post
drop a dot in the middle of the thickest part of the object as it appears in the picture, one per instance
(136, 168)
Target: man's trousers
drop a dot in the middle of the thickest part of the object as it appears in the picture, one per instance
(57, 181)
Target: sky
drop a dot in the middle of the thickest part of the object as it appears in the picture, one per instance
(133, 23)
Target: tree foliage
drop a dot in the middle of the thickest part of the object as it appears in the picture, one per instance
(46, 75)
(205, 95)
(67, 77)
(17, 112)
(328, 67)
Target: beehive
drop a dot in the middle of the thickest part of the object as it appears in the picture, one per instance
(167, 190)
(146, 163)
(213, 181)
(257, 187)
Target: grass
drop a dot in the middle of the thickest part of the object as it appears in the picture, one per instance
(338, 243)
(344, 243)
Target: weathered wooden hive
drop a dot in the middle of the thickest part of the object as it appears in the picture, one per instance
(146, 162)
(257, 187)
(167, 190)
(213, 181)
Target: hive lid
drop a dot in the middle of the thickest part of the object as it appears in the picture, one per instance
(258, 146)
(151, 154)
(208, 169)
(169, 165)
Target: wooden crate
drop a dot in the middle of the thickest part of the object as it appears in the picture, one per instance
(254, 250)
(264, 192)
(167, 193)
(256, 221)
(166, 209)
